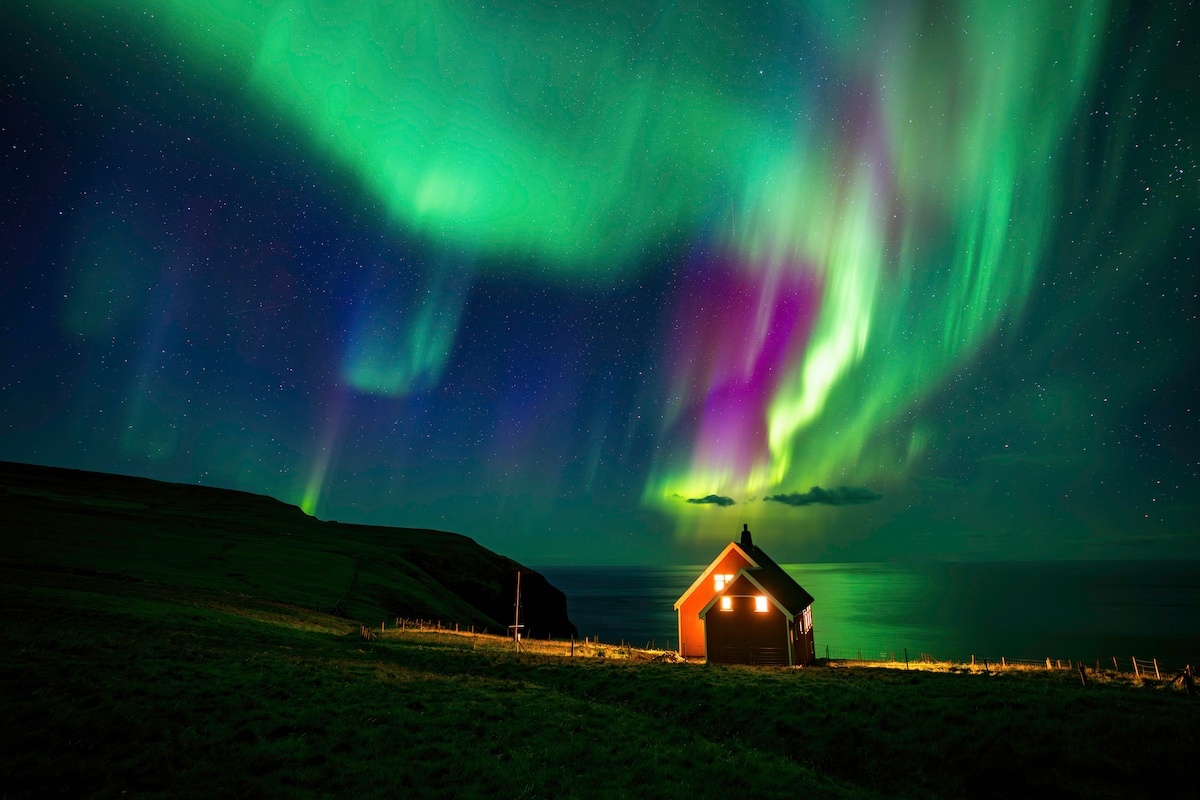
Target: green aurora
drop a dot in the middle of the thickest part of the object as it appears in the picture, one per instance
(878, 185)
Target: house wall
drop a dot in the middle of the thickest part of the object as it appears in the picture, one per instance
(743, 635)
(803, 645)
(691, 629)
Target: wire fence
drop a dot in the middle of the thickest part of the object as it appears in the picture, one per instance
(434, 633)
(1144, 668)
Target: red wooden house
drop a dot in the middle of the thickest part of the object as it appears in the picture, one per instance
(744, 609)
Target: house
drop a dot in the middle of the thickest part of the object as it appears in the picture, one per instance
(744, 609)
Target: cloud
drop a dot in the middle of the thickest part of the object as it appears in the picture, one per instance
(841, 496)
(712, 499)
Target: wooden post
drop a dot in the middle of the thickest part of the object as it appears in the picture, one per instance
(1003, 663)
(972, 659)
(572, 647)
(1135, 669)
(1082, 675)
(1116, 669)
(1187, 680)
(517, 615)
(1156, 675)
(985, 667)
(1048, 664)
(905, 655)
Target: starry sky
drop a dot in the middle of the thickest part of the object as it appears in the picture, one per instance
(597, 282)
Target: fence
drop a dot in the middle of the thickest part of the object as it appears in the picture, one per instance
(1146, 669)
(434, 633)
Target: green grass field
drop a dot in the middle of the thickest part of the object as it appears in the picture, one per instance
(113, 687)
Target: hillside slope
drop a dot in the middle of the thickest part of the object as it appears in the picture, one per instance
(240, 542)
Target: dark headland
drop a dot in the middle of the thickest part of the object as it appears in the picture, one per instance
(232, 541)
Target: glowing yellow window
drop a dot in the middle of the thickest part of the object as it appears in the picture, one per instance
(719, 581)
(760, 604)
(726, 603)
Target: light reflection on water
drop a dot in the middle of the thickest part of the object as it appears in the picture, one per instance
(1033, 610)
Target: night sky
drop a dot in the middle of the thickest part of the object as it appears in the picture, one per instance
(597, 282)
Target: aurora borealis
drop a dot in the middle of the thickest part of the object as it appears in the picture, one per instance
(597, 283)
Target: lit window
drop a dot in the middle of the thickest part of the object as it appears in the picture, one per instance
(719, 581)
(726, 603)
(760, 604)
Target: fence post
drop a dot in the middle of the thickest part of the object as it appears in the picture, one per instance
(1116, 669)
(1003, 663)
(1082, 675)
(1156, 675)
(905, 657)
(1135, 668)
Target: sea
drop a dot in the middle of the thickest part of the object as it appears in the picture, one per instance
(1021, 611)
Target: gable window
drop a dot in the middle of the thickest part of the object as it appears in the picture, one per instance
(760, 604)
(721, 581)
(727, 604)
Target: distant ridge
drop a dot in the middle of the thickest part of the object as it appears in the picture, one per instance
(95, 522)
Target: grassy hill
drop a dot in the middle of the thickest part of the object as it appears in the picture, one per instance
(117, 688)
(239, 542)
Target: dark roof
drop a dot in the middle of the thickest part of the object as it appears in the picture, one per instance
(783, 587)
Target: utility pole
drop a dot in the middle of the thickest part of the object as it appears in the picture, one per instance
(517, 615)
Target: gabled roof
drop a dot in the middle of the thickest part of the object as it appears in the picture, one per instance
(777, 583)
(704, 575)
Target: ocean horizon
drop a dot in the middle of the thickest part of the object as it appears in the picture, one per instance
(1017, 610)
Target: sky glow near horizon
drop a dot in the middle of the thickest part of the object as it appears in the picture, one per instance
(842, 207)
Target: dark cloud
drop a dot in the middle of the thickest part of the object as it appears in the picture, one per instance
(712, 499)
(841, 496)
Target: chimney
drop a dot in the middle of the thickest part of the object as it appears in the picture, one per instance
(746, 540)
